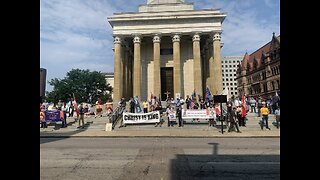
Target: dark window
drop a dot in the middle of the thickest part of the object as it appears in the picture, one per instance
(166, 51)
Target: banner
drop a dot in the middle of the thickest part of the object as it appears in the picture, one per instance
(136, 118)
(53, 115)
(197, 114)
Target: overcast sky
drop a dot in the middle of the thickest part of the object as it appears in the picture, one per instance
(76, 33)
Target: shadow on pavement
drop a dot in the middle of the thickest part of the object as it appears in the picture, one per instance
(46, 139)
(215, 166)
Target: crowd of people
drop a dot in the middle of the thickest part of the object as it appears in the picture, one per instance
(70, 109)
(234, 112)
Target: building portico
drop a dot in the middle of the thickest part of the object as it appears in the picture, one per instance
(166, 47)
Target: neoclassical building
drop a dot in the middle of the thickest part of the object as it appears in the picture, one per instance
(259, 73)
(167, 47)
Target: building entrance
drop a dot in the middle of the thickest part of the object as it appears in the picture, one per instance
(166, 83)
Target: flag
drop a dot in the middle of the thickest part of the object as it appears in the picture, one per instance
(193, 95)
(192, 104)
(75, 104)
(208, 93)
(243, 109)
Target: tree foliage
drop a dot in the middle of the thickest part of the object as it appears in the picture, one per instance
(85, 85)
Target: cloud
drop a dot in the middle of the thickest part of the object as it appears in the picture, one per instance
(76, 33)
(248, 24)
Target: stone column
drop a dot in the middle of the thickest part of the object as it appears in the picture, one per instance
(137, 68)
(117, 93)
(197, 65)
(156, 69)
(215, 66)
(176, 65)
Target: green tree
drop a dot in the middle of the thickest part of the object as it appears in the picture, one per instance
(85, 85)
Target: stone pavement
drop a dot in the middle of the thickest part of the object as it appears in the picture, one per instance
(95, 127)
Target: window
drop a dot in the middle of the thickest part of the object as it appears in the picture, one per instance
(232, 88)
(234, 65)
(233, 61)
(230, 65)
(222, 70)
(235, 93)
(223, 88)
(227, 84)
(235, 74)
(166, 51)
(231, 84)
(221, 65)
(222, 79)
(222, 75)
(227, 79)
(226, 70)
(223, 84)
(226, 74)
(231, 93)
(234, 70)
(235, 85)
(229, 61)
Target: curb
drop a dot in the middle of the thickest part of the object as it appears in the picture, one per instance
(63, 136)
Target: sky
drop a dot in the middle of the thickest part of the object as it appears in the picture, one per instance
(76, 33)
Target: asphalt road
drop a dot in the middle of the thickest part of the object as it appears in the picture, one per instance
(159, 158)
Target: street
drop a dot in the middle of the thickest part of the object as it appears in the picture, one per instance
(159, 158)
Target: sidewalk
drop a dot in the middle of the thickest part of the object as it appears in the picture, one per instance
(95, 127)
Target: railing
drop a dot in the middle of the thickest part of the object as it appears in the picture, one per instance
(116, 115)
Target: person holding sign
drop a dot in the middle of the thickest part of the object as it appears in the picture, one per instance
(171, 113)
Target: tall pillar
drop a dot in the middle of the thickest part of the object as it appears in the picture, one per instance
(176, 65)
(117, 93)
(197, 65)
(137, 68)
(216, 72)
(125, 72)
(156, 69)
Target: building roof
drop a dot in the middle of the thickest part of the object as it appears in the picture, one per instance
(258, 54)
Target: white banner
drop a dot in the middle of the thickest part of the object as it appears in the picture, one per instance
(197, 114)
(136, 118)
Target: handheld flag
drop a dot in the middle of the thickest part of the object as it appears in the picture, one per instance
(75, 105)
(208, 93)
(193, 95)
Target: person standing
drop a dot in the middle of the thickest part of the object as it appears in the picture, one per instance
(132, 105)
(64, 110)
(81, 117)
(264, 112)
(179, 114)
(233, 120)
(145, 106)
(253, 105)
(42, 118)
(277, 113)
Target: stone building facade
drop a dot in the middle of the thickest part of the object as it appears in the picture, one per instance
(166, 47)
(259, 72)
(229, 66)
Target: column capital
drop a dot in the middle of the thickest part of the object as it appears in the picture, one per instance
(216, 36)
(117, 40)
(137, 38)
(156, 38)
(196, 37)
(176, 38)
